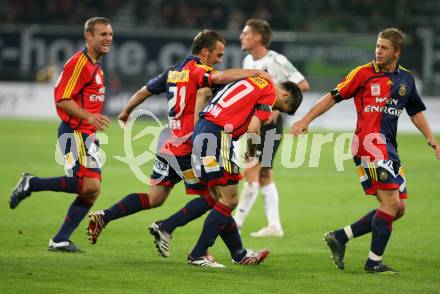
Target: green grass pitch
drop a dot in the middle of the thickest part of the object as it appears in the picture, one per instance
(312, 200)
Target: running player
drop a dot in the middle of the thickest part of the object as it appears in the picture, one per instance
(79, 97)
(173, 162)
(381, 90)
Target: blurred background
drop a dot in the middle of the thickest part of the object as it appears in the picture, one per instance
(323, 39)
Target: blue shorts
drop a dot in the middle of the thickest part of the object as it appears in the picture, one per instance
(81, 152)
(381, 175)
(168, 170)
(213, 155)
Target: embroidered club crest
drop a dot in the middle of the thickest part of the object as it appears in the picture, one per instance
(402, 89)
(375, 89)
(383, 175)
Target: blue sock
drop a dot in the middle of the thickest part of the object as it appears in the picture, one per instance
(58, 184)
(381, 232)
(231, 237)
(363, 226)
(214, 224)
(131, 203)
(358, 228)
(192, 210)
(77, 211)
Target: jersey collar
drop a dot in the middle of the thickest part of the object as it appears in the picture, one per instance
(377, 70)
(88, 56)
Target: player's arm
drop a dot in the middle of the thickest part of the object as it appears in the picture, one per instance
(253, 129)
(98, 120)
(420, 121)
(203, 95)
(235, 74)
(304, 86)
(320, 107)
(140, 96)
(282, 68)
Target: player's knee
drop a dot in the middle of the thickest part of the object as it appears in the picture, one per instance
(92, 188)
(156, 200)
(265, 177)
(232, 202)
(251, 174)
(401, 211)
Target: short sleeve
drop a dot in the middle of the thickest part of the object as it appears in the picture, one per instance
(158, 84)
(72, 79)
(263, 108)
(348, 87)
(283, 70)
(202, 75)
(415, 103)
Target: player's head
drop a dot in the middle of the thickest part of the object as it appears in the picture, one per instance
(98, 33)
(256, 32)
(209, 46)
(389, 46)
(289, 97)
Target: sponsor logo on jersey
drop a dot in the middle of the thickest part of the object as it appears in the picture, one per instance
(98, 80)
(375, 89)
(178, 76)
(100, 97)
(390, 107)
(259, 82)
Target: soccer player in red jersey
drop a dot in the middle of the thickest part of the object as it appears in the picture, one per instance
(79, 97)
(173, 162)
(381, 90)
(235, 109)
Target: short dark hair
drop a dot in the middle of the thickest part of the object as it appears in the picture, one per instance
(89, 25)
(295, 99)
(262, 27)
(206, 39)
(396, 36)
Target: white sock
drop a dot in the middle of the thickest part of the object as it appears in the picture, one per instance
(247, 199)
(270, 196)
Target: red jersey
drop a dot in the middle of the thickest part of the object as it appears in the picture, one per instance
(380, 98)
(234, 104)
(81, 80)
(181, 83)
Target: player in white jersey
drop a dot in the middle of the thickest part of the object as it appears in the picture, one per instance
(255, 39)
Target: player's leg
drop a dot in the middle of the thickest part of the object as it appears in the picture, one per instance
(381, 228)
(195, 207)
(130, 204)
(271, 141)
(216, 219)
(70, 143)
(248, 195)
(163, 178)
(271, 205)
(192, 210)
(90, 190)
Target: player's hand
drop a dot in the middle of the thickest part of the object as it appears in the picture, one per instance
(265, 75)
(436, 147)
(123, 117)
(99, 121)
(299, 127)
(273, 118)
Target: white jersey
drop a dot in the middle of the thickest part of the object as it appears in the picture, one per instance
(277, 65)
